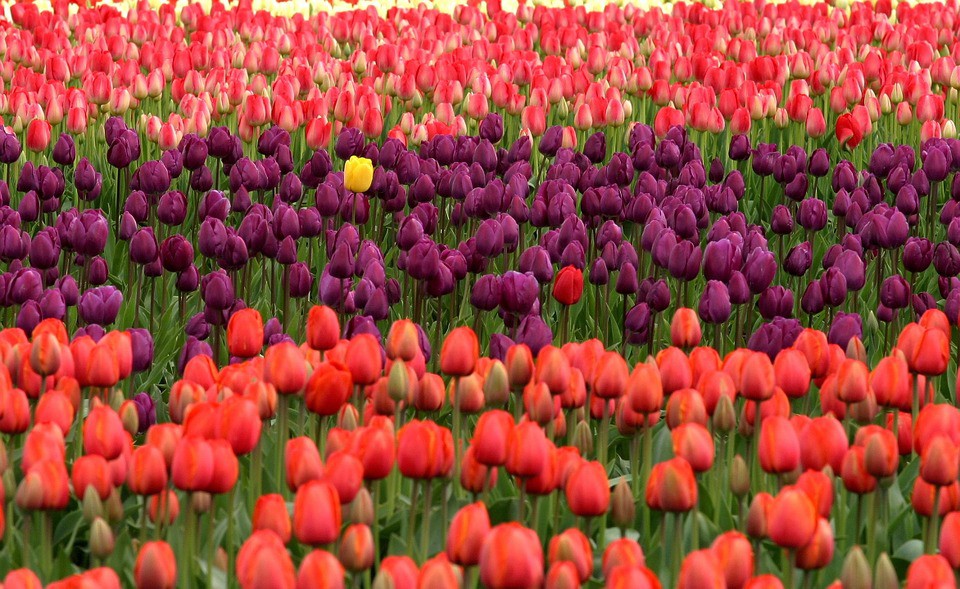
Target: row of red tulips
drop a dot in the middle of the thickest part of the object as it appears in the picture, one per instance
(810, 454)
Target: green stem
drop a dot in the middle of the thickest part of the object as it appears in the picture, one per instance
(425, 523)
(281, 444)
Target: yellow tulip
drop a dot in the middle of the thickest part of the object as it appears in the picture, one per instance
(358, 174)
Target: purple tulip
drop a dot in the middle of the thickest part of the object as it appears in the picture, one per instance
(714, 304)
(146, 411)
(100, 305)
(534, 332)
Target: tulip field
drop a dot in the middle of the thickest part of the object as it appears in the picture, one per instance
(505, 295)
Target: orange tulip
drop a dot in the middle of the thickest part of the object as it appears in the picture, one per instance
(103, 433)
(302, 462)
(55, 407)
(474, 476)
(192, 468)
(701, 570)
(779, 449)
(672, 486)
(572, 546)
(345, 472)
(631, 577)
(610, 376)
(321, 570)
(356, 548)
(468, 528)
(622, 552)
(270, 513)
(818, 552)
(694, 443)
(527, 449)
(588, 490)
(459, 353)
(239, 424)
(156, 566)
(245, 333)
(793, 518)
(735, 553)
(263, 562)
(147, 471)
(285, 368)
(950, 539)
(685, 328)
(930, 570)
(890, 381)
(226, 468)
(316, 513)
(164, 506)
(520, 367)
(819, 487)
(562, 575)
(363, 359)
(924, 495)
(511, 558)
(823, 442)
(491, 436)
(881, 454)
(813, 344)
(685, 406)
(14, 412)
(92, 471)
(757, 377)
(940, 461)
(553, 369)
(45, 354)
(675, 370)
(792, 373)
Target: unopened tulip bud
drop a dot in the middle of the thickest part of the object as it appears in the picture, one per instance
(757, 516)
(623, 510)
(360, 510)
(200, 501)
(116, 399)
(856, 349)
(724, 415)
(398, 382)
(348, 418)
(383, 580)
(856, 573)
(92, 506)
(129, 417)
(583, 438)
(102, 541)
(114, 506)
(29, 495)
(739, 476)
(885, 576)
(496, 386)
(949, 130)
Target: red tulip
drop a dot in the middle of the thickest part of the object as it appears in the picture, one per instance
(424, 450)
(930, 570)
(526, 450)
(270, 513)
(345, 472)
(320, 570)
(849, 131)
(694, 443)
(632, 577)
(103, 433)
(562, 575)
(363, 359)
(701, 570)
(460, 351)
(940, 462)
(239, 424)
(735, 554)
(316, 513)
(672, 486)
(622, 552)
(285, 368)
(572, 546)
(587, 490)
(610, 376)
(38, 135)
(356, 548)
(302, 462)
(779, 449)
(156, 567)
(568, 286)
(675, 370)
(263, 562)
(793, 518)
(245, 333)
(401, 571)
(491, 436)
(468, 529)
(950, 539)
(685, 328)
(192, 468)
(854, 473)
(92, 471)
(823, 442)
(323, 328)
(511, 558)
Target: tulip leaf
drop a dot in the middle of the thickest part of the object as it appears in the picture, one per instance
(909, 550)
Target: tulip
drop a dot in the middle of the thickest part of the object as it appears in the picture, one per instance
(316, 513)
(588, 491)
(510, 557)
(156, 567)
(358, 174)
